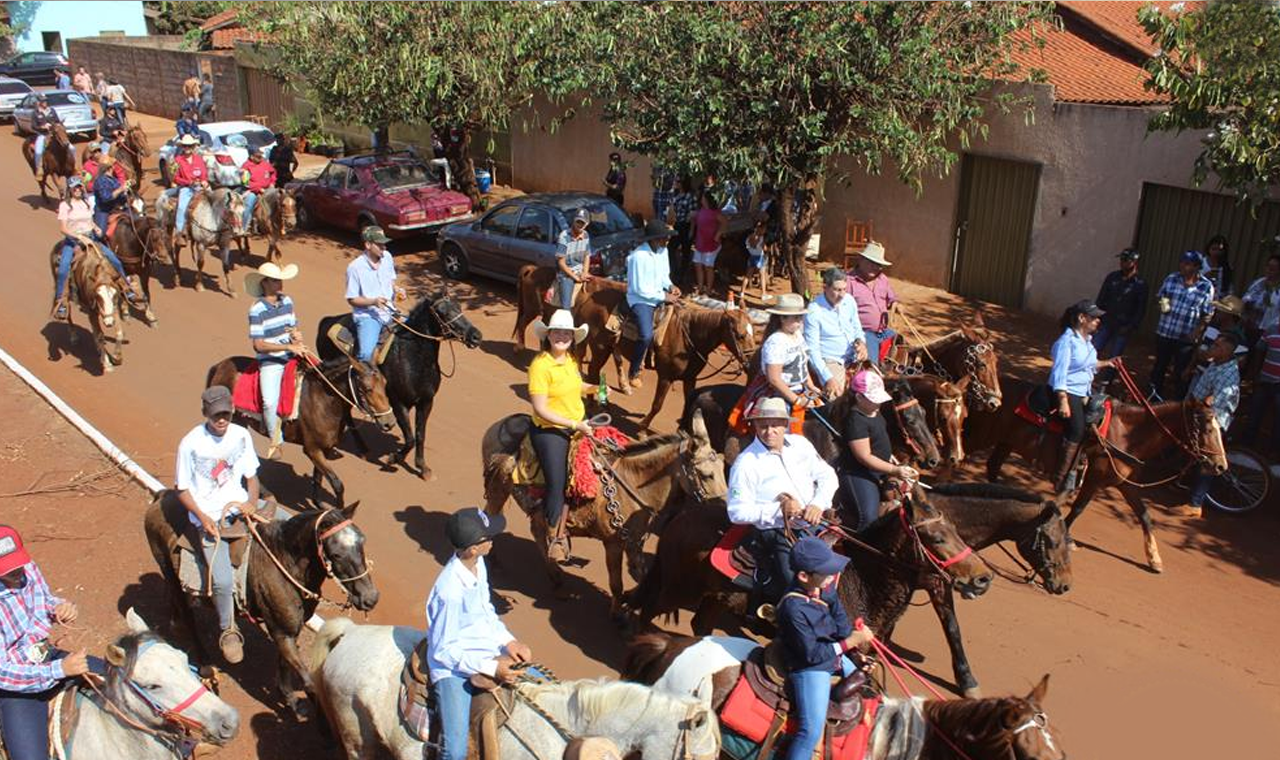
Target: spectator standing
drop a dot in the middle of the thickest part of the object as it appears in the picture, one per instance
(1262, 299)
(1186, 300)
(870, 288)
(62, 80)
(283, 159)
(100, 90)
(1217, 266)
(615, 180)
(1266, 392)
(757, 260)
(82, 82)
(118, 99)
(708, 230)
(208, 110)
(1217, 385)
(1123, 296)
(680, 216)
(664, 190)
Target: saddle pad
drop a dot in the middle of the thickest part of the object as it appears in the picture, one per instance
(192, 575)
(748, 716)
(722, 556)
(342, 337)
(1054, 424)
(247, 395)
(757, 389)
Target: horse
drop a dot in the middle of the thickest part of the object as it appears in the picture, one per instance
(532, 283)
(945, 410)
(1145, 446)
(288, 565)
(214, 218)
(356, 669)
(893, 557)
(131, 151)
(96, 285)
(151, 705)
(650, 476)
(967, 351)
(275, 214)
(330, 391)
(1000, 728)
(57, 161)
(140, 243)
(412, 364)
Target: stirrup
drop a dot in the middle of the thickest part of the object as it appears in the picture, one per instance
(767, 612)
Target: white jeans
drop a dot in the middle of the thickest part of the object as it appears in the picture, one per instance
(269, 376)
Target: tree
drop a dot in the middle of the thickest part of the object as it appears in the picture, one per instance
(1219, 65)
(773, 92)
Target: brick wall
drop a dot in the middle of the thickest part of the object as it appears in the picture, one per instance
(153, 70)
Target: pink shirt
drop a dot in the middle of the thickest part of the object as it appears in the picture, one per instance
(874, 299)
(78, 215)
(708, 221)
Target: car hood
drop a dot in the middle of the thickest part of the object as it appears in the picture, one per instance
(78, 113)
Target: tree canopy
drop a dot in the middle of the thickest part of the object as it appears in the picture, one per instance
(1219, 64)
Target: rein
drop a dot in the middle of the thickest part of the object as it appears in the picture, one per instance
(324, 559)
(184, 728)
(450, 334)
(706, 360)
(898, 409)
(314, 362)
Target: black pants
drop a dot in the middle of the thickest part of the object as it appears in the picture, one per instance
(552, 448)
(774, 545)
(1177, 352)
(1073, 430)
(859, 496)
(679, 252)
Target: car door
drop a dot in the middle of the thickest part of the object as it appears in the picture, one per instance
(496, 230)
(352, 200)
(22, 114)
(319, 194)
(533, 241)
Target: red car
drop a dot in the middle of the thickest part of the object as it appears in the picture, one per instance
(398, 192)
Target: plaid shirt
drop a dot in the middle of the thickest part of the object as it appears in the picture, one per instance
(1189, 306)
(664, 190)
(1222, 382)
(684, 204)
(26, 615)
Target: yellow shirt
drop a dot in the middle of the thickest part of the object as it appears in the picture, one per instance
(561, 383)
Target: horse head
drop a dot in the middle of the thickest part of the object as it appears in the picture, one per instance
(981, 362)
(1205, 435)
(136, 139)
(288, 206)
(233, 213)
(370, 388)
(940, 545)
(951, 411)
(739, 335)
(59, 137)
(1048, 551)
(155, 685)
(340, 546)
(701, 466)
(1026, 725)
(453, 324)
(913, 423)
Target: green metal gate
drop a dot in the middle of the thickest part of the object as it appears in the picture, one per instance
(993, 228)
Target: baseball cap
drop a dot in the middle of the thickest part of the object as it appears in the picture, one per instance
(1128, 254)
(1087, 306)
(470, 526)
(13, 554)
(869, 383)
(812, 555)
(216, 399)
(1191, 257)
(374, 234)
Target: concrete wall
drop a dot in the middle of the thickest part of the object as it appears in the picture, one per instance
(73, 19)
(153, 69)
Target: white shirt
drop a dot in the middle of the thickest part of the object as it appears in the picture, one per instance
(789, 351)
(759, 476)
(464, 633)
(213, 469)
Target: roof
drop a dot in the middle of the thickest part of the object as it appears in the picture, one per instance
(225, 30)
(220, 20)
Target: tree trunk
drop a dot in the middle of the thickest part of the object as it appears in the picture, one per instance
(382, 139)
(787, 249)
(458, 153)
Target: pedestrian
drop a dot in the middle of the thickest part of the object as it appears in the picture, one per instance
(32, 668)
(555, 393)
(867, 454)
(1266, 392)
(273, 331)
(649, 286)
(1218, 387)
(871, 289)
(187, 125)
(784, 360)
(83, 83)
(1075, 362)
(615, 179)
(573, 254)
(258, 175)
(1186, 301)
(217, 481)
(1123, 298)
(664, 190)
(283, 159)
(680, 216)
(465, 637)
(1262, 299)
(190, 175)
(372, 291)
(208, 110)
(709, 226)
(191, 94)
(75, 222)
(757, 260)
(118, 99)
(100, 90)
(1217, 266)
(833, 333)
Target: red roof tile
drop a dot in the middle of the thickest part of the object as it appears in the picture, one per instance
(1120, 19)
(226, 39)
(220, 19)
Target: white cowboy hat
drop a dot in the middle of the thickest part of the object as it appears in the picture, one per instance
(874, 252)
(771, 408)
(253, 280)
(788, 305)
(561, 320)
(188, 140)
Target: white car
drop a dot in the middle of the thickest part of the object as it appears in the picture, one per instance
(226, 146)
(12, 92)
(72, 108)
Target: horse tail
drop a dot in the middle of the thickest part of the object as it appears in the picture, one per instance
(498, 451)
(328, 637)
(645, 654)
(498, 469)
(524, 282)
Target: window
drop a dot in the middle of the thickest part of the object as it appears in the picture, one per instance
(336, 176)
(502, 221)
(607, 217)
(66, 99)
(402, 174)
(52, 42)
(353, 181)
(535, 225)
(29, 102)
(13, 88)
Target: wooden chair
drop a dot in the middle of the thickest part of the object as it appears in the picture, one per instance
(856, 236)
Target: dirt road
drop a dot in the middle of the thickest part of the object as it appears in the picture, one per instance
(1177, 666)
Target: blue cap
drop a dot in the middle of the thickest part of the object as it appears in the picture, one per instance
(812, 555)
(1191, 257)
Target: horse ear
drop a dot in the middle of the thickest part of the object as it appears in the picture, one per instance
(349, 511)
(135, 622)
(115, 655)
(698, 719)
(1036, 697)
(698, 426)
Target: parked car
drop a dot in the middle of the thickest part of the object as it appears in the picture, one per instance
(35, 67)
(226, 146)
(523, 230)
(12, 92)
(71, 106)
(397, 191)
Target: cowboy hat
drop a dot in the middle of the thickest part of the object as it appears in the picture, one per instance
(1230, 305)
(186, 140)
(561, 320)
(874, 252)
(788, 305)
(253, 280)
(771, 408)
(654, 229)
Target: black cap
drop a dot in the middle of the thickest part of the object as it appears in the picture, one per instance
(1087, 306)
(1128, 254)
(654, 229)
(470, 526)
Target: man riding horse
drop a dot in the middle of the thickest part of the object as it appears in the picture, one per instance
(833, 333)
(258, 175)
(273, 328)
(648, 287)
(42, 122)
(371, 289)
(190, 175)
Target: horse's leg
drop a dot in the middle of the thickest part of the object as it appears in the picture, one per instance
(228, 266)
(144, 274)
(405, 423)
(944, 605)
(197, 252)
(659, 396)
(316, 453)
(1133, 497)
(995, 461)
(613, 562)
(420, 436)
(292, 675)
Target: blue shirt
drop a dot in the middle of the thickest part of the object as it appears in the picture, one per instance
(464, 634)
(364, 281)
(812, 630)
(187, 127)
(1222, 382)
(830, 333)
(574, 251)
(648, 275)
(103, 186)
(1075, 361)
(1189, 305)
(272, 323)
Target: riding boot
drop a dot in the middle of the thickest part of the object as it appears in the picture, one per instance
(231, 642)
(1064, 478)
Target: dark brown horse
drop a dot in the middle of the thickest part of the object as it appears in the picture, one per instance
(131, 151)
(57, 162)
(310, 547)
(98, 289)
(330, 392)
(140, 243)
(650, 476)
(967, 351)
(275, 214)
(1142, 448)
(1001, 728)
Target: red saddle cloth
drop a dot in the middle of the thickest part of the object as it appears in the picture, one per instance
(584, 483)
(748, 715)
(247, 395)
(722, 558)
(1054, 424)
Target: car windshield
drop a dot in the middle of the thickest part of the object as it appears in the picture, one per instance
(606, 216)
(401, 175)
(13, 88)
(66, 99)
(249, 139)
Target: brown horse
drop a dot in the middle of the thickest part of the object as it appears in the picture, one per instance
(57, 162)
(330, 392)
(1142, 448)
(275, 214)
(100, 292)
(214, 218)
(532, 283)
(311, 547)
(945, 408)
(649, 476)
(1001, 728)
(131, 151)
(967, 351)
(139, 243)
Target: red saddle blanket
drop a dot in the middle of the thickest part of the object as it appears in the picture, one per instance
(722, 556)
(1054, 424)
(584, 482)
(748, 715)
(247, 395)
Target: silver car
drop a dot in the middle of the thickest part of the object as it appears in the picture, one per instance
(12, 92)
(72, 108)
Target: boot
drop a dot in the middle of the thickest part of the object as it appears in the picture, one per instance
(232, 645)
(1187, 510)
(1064, 478)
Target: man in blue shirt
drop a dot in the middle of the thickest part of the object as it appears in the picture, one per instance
(1123, 296)
(1186, 300)
(371, 289)
(187, 124)
(464, 635)
(833, 333)
(1218, 386)
(108, 193)
(648, 287)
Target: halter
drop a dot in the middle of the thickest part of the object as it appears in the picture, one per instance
(360, 402)
(1039, 721)
(325, 562)
(913, 528)
(912, 444)
(446, 325)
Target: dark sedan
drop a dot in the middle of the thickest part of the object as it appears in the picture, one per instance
(523, 230)
(35, 67)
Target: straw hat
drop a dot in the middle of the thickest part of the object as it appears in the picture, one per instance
(253, 280)
(788, 305)
(188, 140)
(874, 252)
(561, 320)
(771, 408)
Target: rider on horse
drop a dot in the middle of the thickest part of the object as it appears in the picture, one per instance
(371, 288)
(190, 174)
(111, 127)
(465, 637)
(778, 478)
(573, 252)
(648, 287)
(867, 455)
(215, 463)
(42, 122)
(76, 222)
(1075, 361)
(258, 176)
(273, 328)
(187, 125)
(870, 288)
(833, 333)
(783, 355)
(32, 670)
(109, 192)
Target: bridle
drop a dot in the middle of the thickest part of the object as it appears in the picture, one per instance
(325, 561)
(939, 563)
(737, 354)
(898, 409)
(359, 395)
(692, 482)
(980, 391)
(1040, 722)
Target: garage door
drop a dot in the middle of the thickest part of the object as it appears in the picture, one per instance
(269, 96)
(993, 228)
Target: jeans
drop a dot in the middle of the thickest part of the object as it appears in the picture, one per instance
(24, 719)
(1265, 396)
(552, 447)
(644, 327)
(1201, 482)
(206, 113)
(270, 373)
(1110, 336)
(64, 263)
(368, 329)
(874, 339)
(118, 108)
(224, 583)
(859, 497)
(184, 200)
(1177, 352)
(453, 700)
(564, 291)
(812, 692)
(250, 200)
(39, 146)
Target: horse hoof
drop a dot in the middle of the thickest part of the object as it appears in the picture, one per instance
(426, 474)
(1156, 565)
(199, 286)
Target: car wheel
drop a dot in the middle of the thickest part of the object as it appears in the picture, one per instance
(303, 215)
(454, 261)
(165, 179)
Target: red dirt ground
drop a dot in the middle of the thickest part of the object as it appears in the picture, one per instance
(1134, 656)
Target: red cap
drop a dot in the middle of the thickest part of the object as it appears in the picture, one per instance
(13, 554)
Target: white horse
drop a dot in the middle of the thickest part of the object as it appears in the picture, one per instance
(153, 706)
(356, 672)
(214, 218)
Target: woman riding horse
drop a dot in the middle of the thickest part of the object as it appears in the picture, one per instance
(867, 455)
(76, 223)
(1075, 361)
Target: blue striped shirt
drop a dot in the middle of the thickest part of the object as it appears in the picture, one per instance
(272, 323)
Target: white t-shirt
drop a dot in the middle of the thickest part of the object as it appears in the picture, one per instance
(213, 469)
(789, 351)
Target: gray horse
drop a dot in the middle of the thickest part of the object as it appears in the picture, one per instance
(214, 218)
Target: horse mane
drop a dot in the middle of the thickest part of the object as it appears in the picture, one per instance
(640, 453)
(598, 697)
(980, 722)
(946, 341)
(986, 491)
(704, 318)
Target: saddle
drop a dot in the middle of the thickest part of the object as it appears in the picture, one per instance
(622, 322)
(191, 571)
(342, 337)
(584, 478)
(1038, 408)
(247, 395)
(738, 557)
(758, 389)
